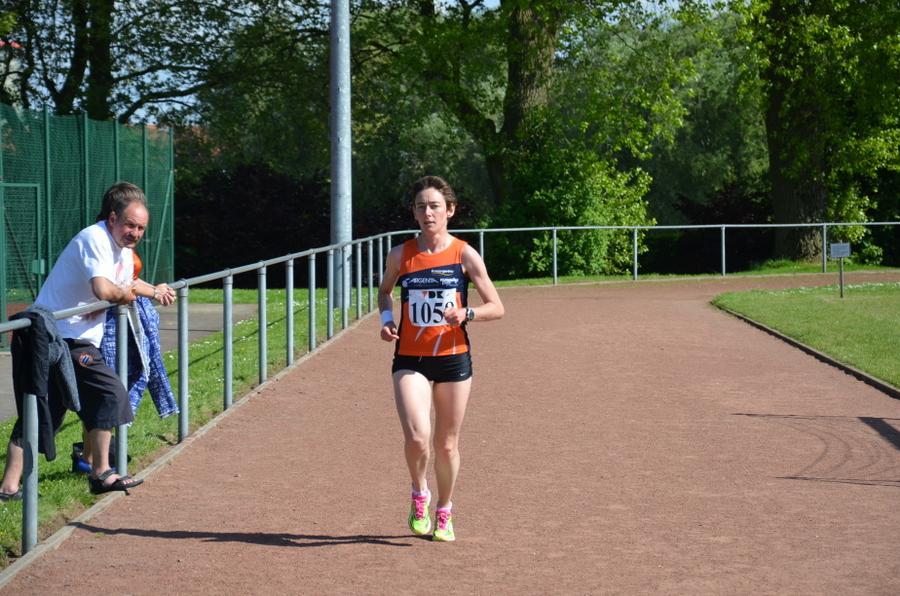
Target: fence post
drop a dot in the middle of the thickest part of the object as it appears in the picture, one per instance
(345, 289)
(358, 280)
(634, 253)
(723, 251)
(85, 161)
(144, 164)
(122, 369)
(329, 304)
(289, 313)
(183, 361)
(48, 183)
(228, 341)
(380, 259)
(311, 268)
(369, 271)
(261, 310)
(824, 248)
(481, 244)
(555, 278)
(30, 476)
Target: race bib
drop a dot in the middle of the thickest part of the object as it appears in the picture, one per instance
(426, 307)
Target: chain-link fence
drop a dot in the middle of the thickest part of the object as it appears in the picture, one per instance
(53, 172)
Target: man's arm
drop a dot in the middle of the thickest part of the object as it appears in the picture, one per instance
(162, 293)
(104, 289)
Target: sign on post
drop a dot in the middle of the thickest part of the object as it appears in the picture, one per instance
(839, 251)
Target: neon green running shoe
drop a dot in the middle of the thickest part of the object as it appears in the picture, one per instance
(419, 520)
(444, 530)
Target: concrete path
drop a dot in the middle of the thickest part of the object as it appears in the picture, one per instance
(203, 320)
(620, 439)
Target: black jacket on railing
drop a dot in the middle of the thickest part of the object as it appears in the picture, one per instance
(42, 365)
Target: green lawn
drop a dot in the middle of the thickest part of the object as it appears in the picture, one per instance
(862, 329)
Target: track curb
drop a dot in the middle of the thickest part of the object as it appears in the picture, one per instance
(866, 378)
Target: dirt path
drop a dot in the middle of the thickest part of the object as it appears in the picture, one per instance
(621, 438)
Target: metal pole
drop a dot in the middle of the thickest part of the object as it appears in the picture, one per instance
(380, 259)
(329, 305)
(122, 366)
(481, 244)
(555, 278)
(228, 341)
(359, 280)
(341, 141)
(86, 164)
(723, 251)
(824, 245)
(289, 308)
(263, 339)
(634, 253)
(311, 264)
(183, 360)
(369, 272)
(30, 470)
(48, 189)
(345, 295)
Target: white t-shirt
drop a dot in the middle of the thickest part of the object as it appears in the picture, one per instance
(91, 253)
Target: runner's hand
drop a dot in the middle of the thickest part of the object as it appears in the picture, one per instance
(389, 332)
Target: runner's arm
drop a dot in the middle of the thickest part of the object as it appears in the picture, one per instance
(385, 295)
(492, 307)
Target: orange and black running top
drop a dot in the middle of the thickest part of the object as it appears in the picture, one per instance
(430, 283)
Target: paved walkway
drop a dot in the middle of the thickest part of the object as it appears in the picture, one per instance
(203, 320)
(621, 439)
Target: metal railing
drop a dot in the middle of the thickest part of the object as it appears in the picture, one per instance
(375, 247)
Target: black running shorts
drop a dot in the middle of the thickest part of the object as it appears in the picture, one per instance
(438, 369)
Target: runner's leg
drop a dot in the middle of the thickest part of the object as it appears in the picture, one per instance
(450, 400)
(412, 395)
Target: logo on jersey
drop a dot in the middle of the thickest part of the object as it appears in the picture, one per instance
(450, 281)
(442, 272)
(419, 281)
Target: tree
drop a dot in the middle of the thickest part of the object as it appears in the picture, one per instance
(116, 59)
(829, 72)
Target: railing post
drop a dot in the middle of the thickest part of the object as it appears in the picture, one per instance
(311, 268)
(358, 280)
(555, 262)
(289, 312)
(723, 251)
(380, 259)
(329, 303)
(30, 473)
(369, 271)
(481, 244)
(228, 341)
(122, 369)
(183, 361)
(345, 287)
(634, 253)
(263, 335)
(824, 248)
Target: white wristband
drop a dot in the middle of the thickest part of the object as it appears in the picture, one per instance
(386, 317)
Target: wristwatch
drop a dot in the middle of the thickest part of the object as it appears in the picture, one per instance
(470, 314)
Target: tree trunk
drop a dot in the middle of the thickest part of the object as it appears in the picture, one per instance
(100, 77)
(64, 97)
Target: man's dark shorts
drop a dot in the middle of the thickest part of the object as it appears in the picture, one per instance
(104, 401)
(437, 369)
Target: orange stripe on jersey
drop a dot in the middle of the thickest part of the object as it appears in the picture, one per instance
(430, 283)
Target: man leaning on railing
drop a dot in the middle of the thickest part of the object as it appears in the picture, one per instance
(97, 264)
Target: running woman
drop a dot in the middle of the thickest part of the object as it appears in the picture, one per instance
(432, 362)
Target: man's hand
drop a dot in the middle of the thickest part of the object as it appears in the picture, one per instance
(163, 294)
(389, 332)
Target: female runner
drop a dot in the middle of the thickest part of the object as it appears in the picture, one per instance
(432, 363)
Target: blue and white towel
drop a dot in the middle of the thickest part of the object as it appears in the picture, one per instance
(145, 364)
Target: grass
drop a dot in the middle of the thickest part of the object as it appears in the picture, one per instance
(64, 495)
(862, 329)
